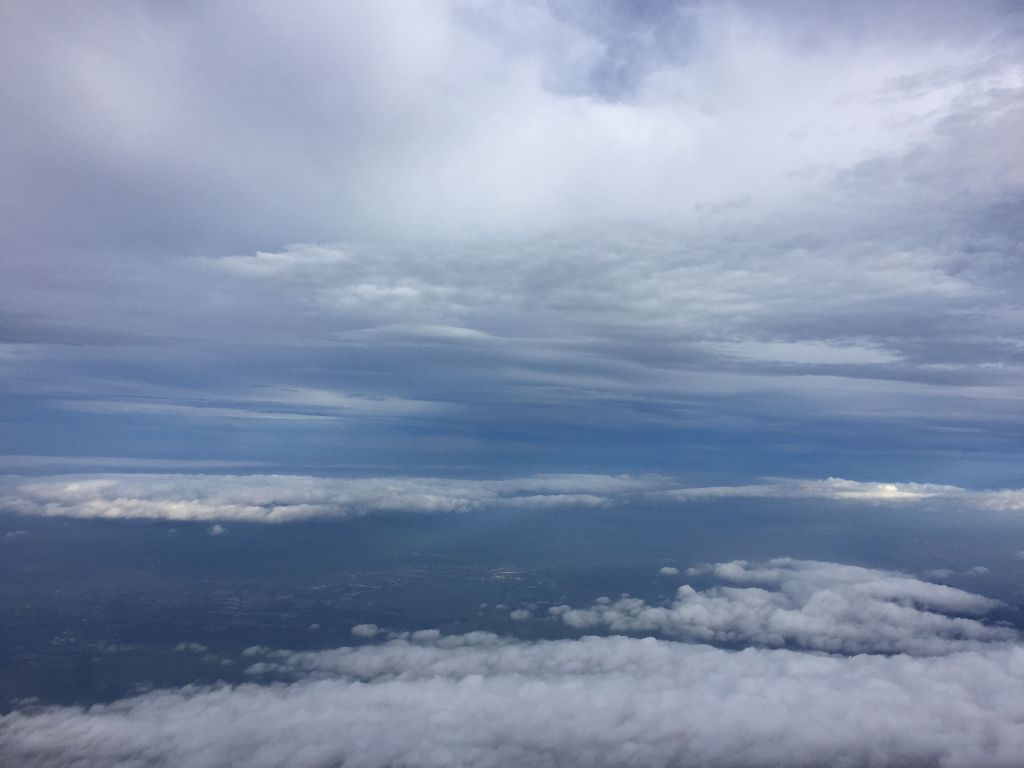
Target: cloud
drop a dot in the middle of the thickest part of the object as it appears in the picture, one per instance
(644, 118)
(668, 570)
(365, 630)
(283, 498)
(815, 605)
(11, 463)
(479, 700)
(287, 403)
(1005, 500)
(830, 488)
(191, 648)
(604, 231)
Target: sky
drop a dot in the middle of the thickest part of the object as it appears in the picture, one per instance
(266, 263)
(720, 241)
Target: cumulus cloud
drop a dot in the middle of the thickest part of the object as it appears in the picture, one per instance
(815, 605)
(283, 498)
(365, 630)
(668, 570)
(485, 702)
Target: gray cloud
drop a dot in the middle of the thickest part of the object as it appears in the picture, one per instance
(287, 123)
(514, 234)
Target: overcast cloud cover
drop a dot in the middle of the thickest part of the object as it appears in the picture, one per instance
(480, 700)
(490, 238)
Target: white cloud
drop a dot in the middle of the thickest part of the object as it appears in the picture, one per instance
(365, 630)
(808, 604)
(668, 570)
(273, 403)
(282, 498)
(484, 702)
(290, 261)
(1005, 500)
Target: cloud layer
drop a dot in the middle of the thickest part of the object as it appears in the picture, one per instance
(480, 700)
(283, 498)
